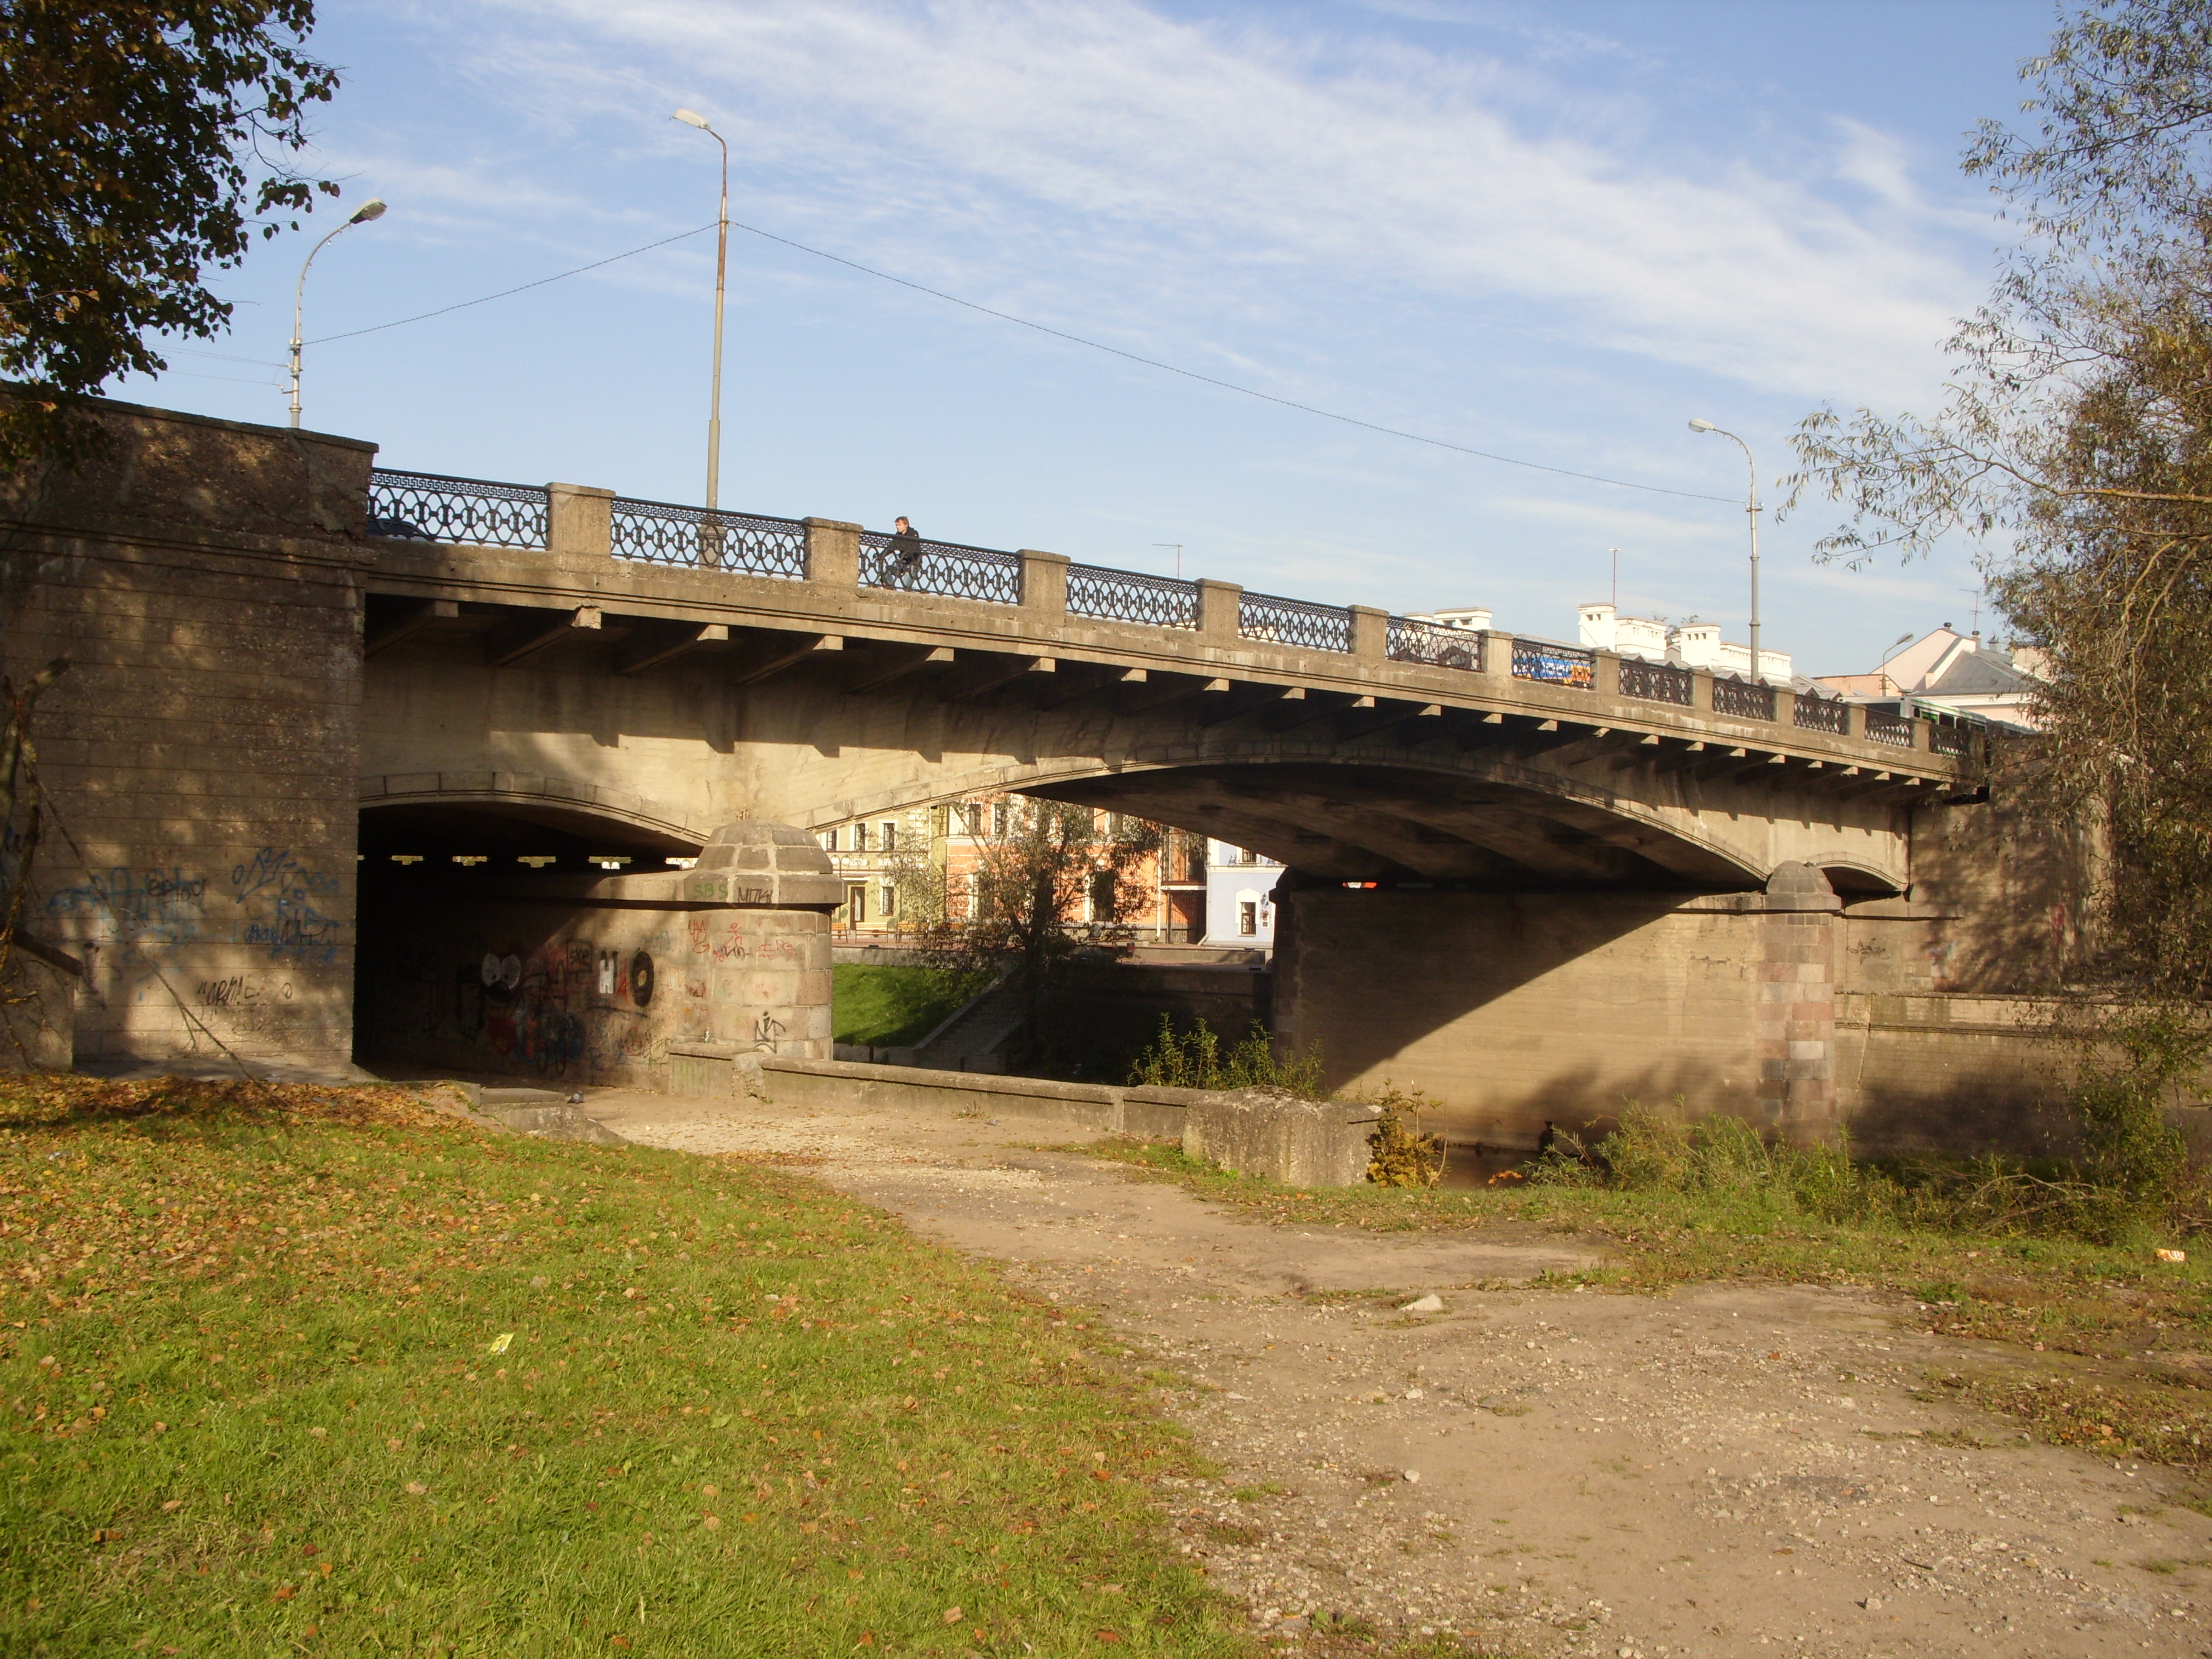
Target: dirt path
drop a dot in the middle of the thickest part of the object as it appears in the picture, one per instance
(1728, 1470)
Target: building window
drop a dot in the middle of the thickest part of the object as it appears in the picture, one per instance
(860, 838)
(828, 840)
(856, 904)
(940, 820)
(888, 838)
(1002, 819)
(1247, 918)
(887, 901)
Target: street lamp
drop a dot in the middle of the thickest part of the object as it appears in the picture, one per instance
(372, 208)
(1751, 507)
(693, 119)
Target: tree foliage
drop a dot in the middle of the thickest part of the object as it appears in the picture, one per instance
(145, 139)
(1051, 879)
(2075, 448)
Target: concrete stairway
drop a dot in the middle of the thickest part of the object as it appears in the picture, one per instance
(974, 1037)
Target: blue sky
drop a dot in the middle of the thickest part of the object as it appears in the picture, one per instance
(1551, 231)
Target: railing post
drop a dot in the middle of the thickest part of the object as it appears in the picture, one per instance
(833, 552)
(1605, 673)
(1496, 654)
(1701, 689)
(1854, 720)
(1786, 706)
(1219, 604)
(1044, 582)
(580, 521)
(1370, 633)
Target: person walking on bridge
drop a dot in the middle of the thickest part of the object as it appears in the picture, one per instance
(905, 551)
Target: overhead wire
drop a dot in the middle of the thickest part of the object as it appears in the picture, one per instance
(1057, 334)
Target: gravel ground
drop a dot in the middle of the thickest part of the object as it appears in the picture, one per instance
(1726, 1470)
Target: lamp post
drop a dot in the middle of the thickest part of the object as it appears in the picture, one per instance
(1753, 508)
(372, 208)
(693, 119)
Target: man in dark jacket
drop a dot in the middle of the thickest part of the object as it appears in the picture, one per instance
(905, 552)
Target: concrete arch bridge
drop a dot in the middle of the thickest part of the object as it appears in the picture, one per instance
(1529, 877)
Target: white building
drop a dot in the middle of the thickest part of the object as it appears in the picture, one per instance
(1693, 645)
(1240, 902)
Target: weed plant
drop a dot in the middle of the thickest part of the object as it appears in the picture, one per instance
(2136, 1187)
(1400, 1152)
(1195, 1060)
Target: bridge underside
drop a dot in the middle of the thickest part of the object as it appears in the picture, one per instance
(1371, 823)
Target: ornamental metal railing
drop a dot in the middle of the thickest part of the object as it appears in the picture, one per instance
(1408, 639)
(661, 532)
(1549, 663)
(1294, 622)
(428, 506)
(1881, 726)
(1743, 699)
(911, 565)
(1127, 596)
(1830, 714)
(1656, 681)
(1948, 740)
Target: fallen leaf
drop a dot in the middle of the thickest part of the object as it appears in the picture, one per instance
(173, 1506)
(284, 1592)
(416, 1489)
(394, 1445)
(713, 1523)
(320, 1434)
(954, 1615)
(499, 1344)
(1109, 1637)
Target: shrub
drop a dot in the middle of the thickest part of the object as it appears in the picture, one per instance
(1195, 1060)
(1403, 1155)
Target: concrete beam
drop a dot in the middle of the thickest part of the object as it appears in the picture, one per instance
(412, 623)
(665, 643)
(987, 674)
(1384, 715)
(775, 653)
(1163, 688)
(1077, 680)
(534, 633)
(884, 663)
(1250, 699)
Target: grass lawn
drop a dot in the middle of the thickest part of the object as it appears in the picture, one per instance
(303, 1371)
(893, 1007)
(2110, 1349)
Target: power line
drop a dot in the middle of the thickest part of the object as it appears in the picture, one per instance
(1057, 334)
(505, 292)
(1229, 386)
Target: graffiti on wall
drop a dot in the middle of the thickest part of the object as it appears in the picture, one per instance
(280, 906)
(158, 906)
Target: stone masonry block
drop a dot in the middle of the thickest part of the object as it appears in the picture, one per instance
(1298, 1142)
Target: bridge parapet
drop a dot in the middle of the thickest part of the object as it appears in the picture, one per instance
(842, 580)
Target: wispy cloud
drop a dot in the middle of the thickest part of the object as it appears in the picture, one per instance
(1094, 152)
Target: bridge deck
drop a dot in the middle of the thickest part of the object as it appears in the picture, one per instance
(557, 568)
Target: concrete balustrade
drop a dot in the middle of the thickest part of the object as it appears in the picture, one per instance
(578, 521)
(1044, 585)
(1218, 607)
(833, 553)
(1370, 633)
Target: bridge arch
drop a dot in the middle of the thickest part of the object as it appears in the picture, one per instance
(468, 813)
(1362, 814)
